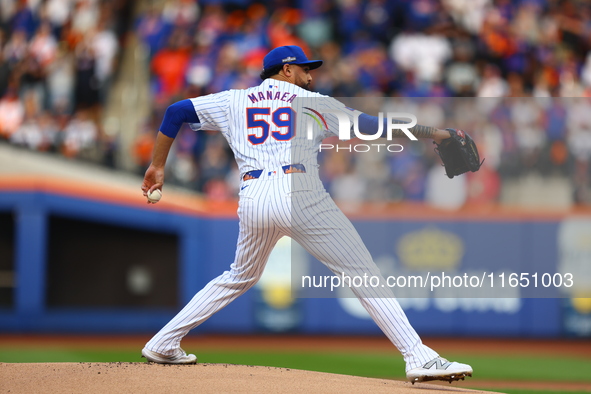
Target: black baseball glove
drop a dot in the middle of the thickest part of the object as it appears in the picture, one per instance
(458, 153)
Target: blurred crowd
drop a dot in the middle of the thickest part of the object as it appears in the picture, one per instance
(518, 137)
(535, 49)
(57, 62)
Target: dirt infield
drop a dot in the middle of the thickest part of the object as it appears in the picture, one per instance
(282, 343)
(143, 378)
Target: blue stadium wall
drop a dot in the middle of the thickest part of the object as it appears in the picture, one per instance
(205, 247)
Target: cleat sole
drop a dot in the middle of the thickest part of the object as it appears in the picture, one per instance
(450, 377)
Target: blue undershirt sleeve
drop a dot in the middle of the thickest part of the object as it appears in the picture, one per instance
(369, 124)
(177, 114)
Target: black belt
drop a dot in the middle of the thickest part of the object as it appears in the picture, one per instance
(288, 169)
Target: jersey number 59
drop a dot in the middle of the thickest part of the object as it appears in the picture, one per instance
(283, 120)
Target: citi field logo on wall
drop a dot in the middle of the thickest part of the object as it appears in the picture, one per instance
(277, 308)
(431, 248)
(574, 249)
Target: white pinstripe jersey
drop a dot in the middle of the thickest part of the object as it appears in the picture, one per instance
(257, 123)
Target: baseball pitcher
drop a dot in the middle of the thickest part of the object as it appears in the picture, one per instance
(281, 194)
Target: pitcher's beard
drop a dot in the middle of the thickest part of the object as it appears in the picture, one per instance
(304, 85)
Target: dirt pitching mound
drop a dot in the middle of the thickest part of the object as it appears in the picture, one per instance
(144, 378)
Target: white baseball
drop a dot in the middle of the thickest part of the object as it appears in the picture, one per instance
(155, 196)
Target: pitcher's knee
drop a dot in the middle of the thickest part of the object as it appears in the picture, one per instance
(244, 279)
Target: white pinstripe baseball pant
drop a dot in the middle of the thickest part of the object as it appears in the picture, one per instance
(269, 210)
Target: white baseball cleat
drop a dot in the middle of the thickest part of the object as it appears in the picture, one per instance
(180, 358)
(439, 369)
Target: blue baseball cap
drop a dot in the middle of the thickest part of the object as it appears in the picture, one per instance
(290, 54)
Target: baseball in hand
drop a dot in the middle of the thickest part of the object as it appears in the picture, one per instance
(154, 196)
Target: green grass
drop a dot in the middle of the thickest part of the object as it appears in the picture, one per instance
(55, 355)
(360, 363)
(511, 391)
(529, 368)
(386, 366)
(365, 364)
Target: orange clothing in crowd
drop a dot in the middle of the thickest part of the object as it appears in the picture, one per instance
(169, 66)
